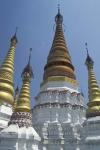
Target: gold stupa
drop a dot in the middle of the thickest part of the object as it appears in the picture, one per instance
(23, 103)
(15, 98)
(94, 90)
(6, 74)
(59, 66)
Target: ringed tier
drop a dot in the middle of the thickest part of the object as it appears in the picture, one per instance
(93, 90)
(23, 103)
(59, 61)
(6, 75)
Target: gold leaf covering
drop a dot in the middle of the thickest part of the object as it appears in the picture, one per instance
(94, 90)
(6, 74)
(23, 103)
(59, 60)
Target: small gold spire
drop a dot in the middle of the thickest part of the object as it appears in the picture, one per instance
(6, 74)
(93, 89)
(23, 103)
(59, 60)
(15, 98)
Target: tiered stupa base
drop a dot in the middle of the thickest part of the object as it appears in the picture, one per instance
(5, 114)
(92, 114)
(22, 119)
(91, 134)
(19, 135)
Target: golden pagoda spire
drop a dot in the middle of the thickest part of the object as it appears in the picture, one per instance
(15, 98)
(59, 65)
(6, 74)
(23, 103)
(93, 89)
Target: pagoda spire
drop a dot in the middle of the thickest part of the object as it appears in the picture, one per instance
(59, 65)
(7, 73)
(22, 115)
(15, 98)
(23, 103)
(93, 89)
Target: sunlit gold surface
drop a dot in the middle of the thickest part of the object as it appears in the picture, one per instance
(23, 103)
(15, 99)
(61, 78)
(14, 105)
(59, 60)
(94, 92)
(6, 75)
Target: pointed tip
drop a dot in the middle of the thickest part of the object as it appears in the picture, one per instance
(88, 59)
(86, 45)
(14, 36)
(59, 17)
(58, 8)
(16, 31)
(30, 56)
(28, 68)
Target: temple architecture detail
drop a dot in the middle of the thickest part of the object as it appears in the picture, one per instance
(7, 85)
(59, 119)
(91, 127)
(59, 109)
(20, 133)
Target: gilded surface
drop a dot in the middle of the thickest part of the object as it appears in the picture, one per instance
(23, 103)
(94, 90)
(6, 75)
(61, 78)
(59, 60)
(15, 99)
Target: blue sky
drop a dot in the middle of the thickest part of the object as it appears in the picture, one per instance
(35, 20)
